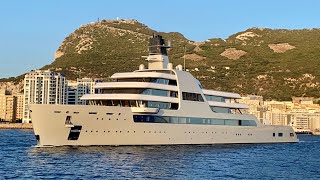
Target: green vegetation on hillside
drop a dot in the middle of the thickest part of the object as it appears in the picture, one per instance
(100, 49)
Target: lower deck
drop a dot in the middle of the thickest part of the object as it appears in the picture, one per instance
(92, 125)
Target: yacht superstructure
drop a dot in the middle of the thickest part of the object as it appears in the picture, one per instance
(153, 106)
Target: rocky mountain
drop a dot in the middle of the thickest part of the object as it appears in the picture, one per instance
(274, 63)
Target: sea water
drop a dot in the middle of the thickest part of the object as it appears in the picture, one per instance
(19, 158)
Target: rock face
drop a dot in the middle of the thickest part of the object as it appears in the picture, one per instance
(247, 35)
(233, 53)
(12, 87)
(58, 54)
(193, 57)
(281, 48)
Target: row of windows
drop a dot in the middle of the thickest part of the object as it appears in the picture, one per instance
(192, 97)
(279, 134)
(152, 80)
(192, 120)
(215, 98)
(89, 113)
(134, 103)
(161, 132)
(155, 92)
(220, 109)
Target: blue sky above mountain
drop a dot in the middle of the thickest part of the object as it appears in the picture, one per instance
(31, 31)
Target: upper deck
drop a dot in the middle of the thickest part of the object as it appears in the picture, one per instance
(164, 87)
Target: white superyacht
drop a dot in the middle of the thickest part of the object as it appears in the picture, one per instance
(157, 105)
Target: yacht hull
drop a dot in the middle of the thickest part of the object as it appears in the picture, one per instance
(112, 125)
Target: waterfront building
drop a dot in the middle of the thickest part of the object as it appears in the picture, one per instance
(278, 117)
(76, 89)
(314, 123)
(7, 106)
(71, 93)
(19, 106)
(255, 106)
(306, 121)
(303, 100)
(43, 87)
(301, 120)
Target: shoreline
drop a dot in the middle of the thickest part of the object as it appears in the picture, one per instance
(16, 126)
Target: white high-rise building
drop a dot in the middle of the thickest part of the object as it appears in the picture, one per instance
(43, 87)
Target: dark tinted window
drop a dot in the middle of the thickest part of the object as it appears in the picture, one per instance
(192, 97)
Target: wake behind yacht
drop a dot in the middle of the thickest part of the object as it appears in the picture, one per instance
(158, 105)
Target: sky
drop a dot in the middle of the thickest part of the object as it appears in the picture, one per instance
(31, 31)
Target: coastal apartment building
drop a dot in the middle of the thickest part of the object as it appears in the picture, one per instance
(19, 106)
(71, 93)
(7, 106)
(76, 89)
(254, 102)
(43, 87)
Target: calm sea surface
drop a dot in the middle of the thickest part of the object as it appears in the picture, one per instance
(20, 159)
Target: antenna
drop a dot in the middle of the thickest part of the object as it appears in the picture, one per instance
(184, 58)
